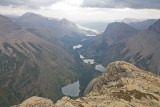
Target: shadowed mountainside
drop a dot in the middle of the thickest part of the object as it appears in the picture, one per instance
(30, 65)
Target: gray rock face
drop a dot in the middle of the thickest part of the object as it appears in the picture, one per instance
(114, 73)
(92, 85)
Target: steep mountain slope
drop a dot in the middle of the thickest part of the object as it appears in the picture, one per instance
(104, 48)
(116, 32)
(122, 42)
(7, 25)
(44, 34)
(30, 65)
(59, 28)
(123, 84)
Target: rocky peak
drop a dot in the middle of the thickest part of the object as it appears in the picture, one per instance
(117, 32)
(30, 14)
(114, 72)
(123, 85)
(119, 27)
(37, 17)
(156, 26)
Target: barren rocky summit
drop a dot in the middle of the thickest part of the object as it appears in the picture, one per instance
(123, 85)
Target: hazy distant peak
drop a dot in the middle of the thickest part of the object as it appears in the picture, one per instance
(129, 20)
(31, 15)
(36, 16)
(28, 13)
(143, 24)
(118, 24)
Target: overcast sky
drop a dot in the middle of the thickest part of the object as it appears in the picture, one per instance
(84, 10)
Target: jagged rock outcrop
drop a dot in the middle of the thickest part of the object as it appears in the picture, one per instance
(122, 85)
(36, 102)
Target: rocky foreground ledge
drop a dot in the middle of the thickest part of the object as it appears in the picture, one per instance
(123, 85)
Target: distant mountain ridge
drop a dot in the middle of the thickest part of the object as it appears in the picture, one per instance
(142, 24)
(60, 28)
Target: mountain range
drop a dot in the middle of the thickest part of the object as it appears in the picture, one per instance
(136, 23)
(142, 24)
(34, 60)
(37, 56)
(120, 41)
(33, 20)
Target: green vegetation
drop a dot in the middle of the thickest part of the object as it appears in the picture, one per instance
(23, 76)
(10, 66)
(34, 47)
(71, 40)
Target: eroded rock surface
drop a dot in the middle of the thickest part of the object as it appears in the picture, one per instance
(122, 85)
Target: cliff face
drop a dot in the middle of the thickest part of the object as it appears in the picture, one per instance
(123, 84)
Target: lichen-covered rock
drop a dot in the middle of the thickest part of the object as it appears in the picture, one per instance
(36, 102)
(123, 85)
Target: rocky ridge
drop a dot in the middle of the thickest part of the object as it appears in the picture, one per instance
(123, 85)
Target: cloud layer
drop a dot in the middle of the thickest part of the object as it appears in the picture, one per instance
(27, 3)
(136, 4)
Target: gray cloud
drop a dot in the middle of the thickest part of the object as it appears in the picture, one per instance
(27, 3)
(136, 4)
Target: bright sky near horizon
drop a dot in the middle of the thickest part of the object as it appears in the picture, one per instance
(84, 10)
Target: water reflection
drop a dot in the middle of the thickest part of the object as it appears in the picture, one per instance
(71, 89)
(100, 67)
(77, 46)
